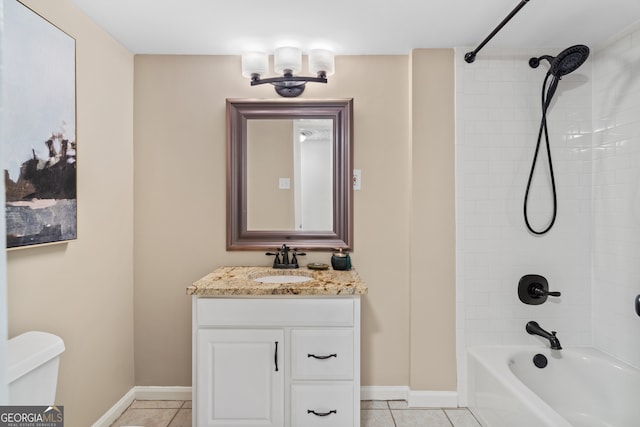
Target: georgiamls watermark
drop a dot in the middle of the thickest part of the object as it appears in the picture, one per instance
(31, 416)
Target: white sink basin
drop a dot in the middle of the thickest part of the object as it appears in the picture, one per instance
(283, 279)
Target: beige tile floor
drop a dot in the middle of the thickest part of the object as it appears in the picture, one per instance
(374, 413)
(156, 413)
(395, 413)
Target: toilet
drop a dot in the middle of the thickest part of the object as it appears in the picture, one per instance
(32, 368)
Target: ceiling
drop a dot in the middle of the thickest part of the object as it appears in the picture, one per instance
(216, 27)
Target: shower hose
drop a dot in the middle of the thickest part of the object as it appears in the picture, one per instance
(547, 95)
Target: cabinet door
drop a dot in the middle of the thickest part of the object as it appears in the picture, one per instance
(240, 377)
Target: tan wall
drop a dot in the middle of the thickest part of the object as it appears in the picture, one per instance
(83, 290)
(268, 206)
(433, 334)
(180, 208)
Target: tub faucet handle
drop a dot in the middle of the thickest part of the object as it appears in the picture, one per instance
(539, 292)
(534, 289)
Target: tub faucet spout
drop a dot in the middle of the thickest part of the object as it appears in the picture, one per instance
(534, 328)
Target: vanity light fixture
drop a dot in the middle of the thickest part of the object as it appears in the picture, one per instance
(304, 134)
(288, 61)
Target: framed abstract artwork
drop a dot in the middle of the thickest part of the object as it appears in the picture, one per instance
(37, 128)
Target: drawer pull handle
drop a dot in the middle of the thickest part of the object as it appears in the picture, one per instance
(275, 356)
(321, 414)
(322, 357)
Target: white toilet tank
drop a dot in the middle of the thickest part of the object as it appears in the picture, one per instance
(32, 368)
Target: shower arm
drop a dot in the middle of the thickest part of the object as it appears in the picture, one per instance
(471, 56)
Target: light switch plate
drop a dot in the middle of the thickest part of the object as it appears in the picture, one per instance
(284, 183)
(357, 179)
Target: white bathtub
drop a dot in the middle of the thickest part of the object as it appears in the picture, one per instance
(580, 387)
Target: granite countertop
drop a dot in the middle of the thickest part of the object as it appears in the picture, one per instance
(232, 281)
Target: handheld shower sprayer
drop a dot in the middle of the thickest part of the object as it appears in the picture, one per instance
(566, 62)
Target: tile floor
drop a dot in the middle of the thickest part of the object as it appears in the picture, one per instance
(374, 413)
(395, 413)
(156, 413)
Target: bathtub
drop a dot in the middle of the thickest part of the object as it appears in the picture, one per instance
(579, 387)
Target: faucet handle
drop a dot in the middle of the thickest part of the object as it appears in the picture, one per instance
(276, 261)
(534, 289)
(537, 292)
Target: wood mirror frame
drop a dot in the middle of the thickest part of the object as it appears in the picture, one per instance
(241, 110)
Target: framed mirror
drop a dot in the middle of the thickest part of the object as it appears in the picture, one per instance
(289, 174)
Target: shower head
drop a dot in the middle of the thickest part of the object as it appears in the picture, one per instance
(569, 60)
(566, 62)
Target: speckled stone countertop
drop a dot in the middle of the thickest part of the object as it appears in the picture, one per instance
(232, 281)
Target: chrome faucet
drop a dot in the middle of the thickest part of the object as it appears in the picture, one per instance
(534, 329)
(281, 259)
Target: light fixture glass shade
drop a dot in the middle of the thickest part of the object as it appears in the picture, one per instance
(321, 60)
(287, 58)
(255, 63)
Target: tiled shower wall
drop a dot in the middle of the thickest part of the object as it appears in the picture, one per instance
(592, 255)
(498, 111)
(616, 194)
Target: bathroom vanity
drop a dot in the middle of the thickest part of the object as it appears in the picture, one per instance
(281, 353)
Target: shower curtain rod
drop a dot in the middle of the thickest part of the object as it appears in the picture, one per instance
(471, 56)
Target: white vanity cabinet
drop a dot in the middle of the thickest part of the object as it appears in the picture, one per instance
(286, 361)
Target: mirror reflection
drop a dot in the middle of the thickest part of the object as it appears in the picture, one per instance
(293, 190)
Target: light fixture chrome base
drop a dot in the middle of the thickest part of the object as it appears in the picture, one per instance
(288, 86)
(290, 91)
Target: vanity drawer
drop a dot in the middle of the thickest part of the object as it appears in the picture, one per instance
(275, 312)
(319, 405)
(322, 354)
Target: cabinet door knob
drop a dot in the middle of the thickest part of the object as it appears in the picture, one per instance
(321, 414)
(322, 357)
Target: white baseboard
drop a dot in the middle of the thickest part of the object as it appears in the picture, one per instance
(116, 410)
(142, 393)
(163, 393)
(414, 398)
(384, 392)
